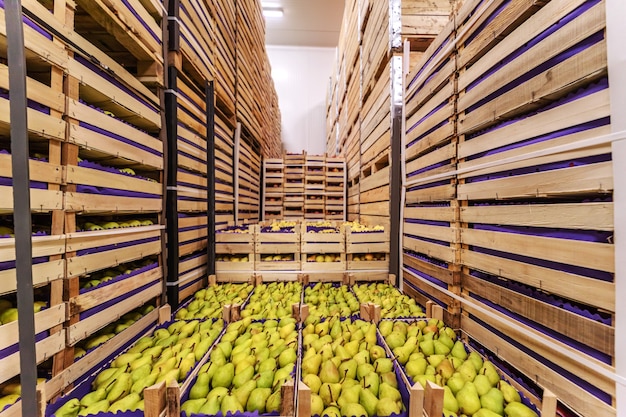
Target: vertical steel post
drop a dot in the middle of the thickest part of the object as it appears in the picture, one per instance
(210, 163)
(21, 205)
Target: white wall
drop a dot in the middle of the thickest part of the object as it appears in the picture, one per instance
(301, 76)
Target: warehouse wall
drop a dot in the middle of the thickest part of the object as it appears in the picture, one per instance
(301, 79)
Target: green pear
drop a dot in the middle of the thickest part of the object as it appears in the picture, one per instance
(484, 412)
(445, 369)
(369, 401)
(95, 408)
(268, 364)
(93, 396)
(313, 382)
(377, 352)
(493, 400)
(467, 371)
(257, 400)
(120, 388)
(329, 372)
(363, 370)
(312, 364)
(416, 367)
(382, 365)
(243, 377)
(427, 347)
(347, 369)
(371, 382)
(69, 409)
(287, 356)
(230, 404)
(476, 360)
(329, 393)
(106, 375)
(211, 406)
(449, 400)
(243, 392)
(403, 353)
(395, 339)
(468, 399)
(516, 409)
(331, 411)
(273, 402)
(218, 392)
(265, 379)
(490, 371)
(387, 391)
(386, 407)
(128, 403)
(353, 410)
(200, 388)
(389, 378)
(458, 350)
(482, 384)
(509, 392)
(349, 395)
(385, 327)
(192, 406)
(143, 383)
(317, 405)
(223, 377)
(455, 382)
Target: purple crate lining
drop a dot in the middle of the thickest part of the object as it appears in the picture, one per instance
(268, 229)
(482, 26)
(430, 185)
(563, 56)
(31, 103)
(94, 165)
(428, 132)
(428, 168)
(552, 166)
(425, 239)
(105, 248)
(119, 138)
(120, 277)
(190, 283)
(558, 266)
(90, 189)
(573, 307)
(188, 228)
(534, 41)
(429, 204)
(189, 142)
(199, 11)
(31, 24)
(425, 258)
(8, 182)
(110, 78)
(574, 378)
(198, 239)
(194, 186)
(599, 236)
(428, 222)
(311, 228)
(429, 114)
(11, 264)
(428, 277)
(144, 24)
(92, 311)
(425, 294)
(191, 115)
(198, 199)
(9, 350)
(430, 59)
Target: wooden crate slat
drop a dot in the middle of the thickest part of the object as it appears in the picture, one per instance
(88, 263)
(46, 348)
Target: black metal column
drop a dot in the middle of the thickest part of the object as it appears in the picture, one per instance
(396, 191)
(21, 205)
(210, 188)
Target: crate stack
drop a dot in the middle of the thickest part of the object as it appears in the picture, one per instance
(519, 194)
(293, 186)
(225, 27)
(277, 250)
(323, 251)
(430, 220)
(314, 185)
(335, 190)
(46, 135)
(234, 253)
(273, 177)
(249, 183)
(224, 171)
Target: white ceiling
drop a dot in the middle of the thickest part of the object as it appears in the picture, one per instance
(314, 23)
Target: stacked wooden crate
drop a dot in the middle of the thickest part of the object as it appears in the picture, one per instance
(273, 177)
(323, 251)
(277, 251)
(523, 185)
(224, 13)
(224, 172)
(314, 185)
(335, 190)
(234, 249)
(249, 190)
(293, 186)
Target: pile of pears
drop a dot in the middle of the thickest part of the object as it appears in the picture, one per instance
(110, 330)
(348, 373)
(94, 279)
(8, 312)
(393, 304)
(430, 351)
(246, 369)
(272, 300)
(209, 302)
(168, 355)
(326, 300)
(11, 391)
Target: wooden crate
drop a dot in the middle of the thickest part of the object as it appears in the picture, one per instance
(367, 242)
(422, 19)
(320, 243)
(356, 262)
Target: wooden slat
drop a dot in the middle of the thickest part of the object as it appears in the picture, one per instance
(433, 250)
(94, 203)
(88, 263)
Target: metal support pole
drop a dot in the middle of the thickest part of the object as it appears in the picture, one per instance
(21, 205)
(210, 163)
(395, 250)
(171, 198)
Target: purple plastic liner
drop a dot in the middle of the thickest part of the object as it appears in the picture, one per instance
(104, 248)
(9, 350)
(186, 242)
(425, 239)
(432, 56)
(107, 76)
(543, 168)
(428, 296)
(425, 258)
(570, 234)
(8, 182)
(144, 24)
(31, 104)
(430, 204)
(482, 26)
(86, 314)
(554, 300)
(189, 142)
(428, 222)
(430, 113)
(198, 227)
(120, 277)
(571, 269)
(428, 168)
(427, 277)
(11, 264)
(532, 42)
(31, 24)
(430, 185)
(98, 167)
(90, 189)
(119, 138)
(576, 379)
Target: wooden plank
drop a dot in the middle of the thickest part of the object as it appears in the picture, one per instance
(97, 178)
(432, 250)
(445, 153)
(86, 327)
(44, 320)
(434, 292)
(569, 392)
(94, 203)
(441, 273)
(591, 333)
(41, 246)
(444, 192)
(43, 273)
(443, 233)
(429, 141)
(81, 265)
(584, 179)
(436, 213)
(582, 216)
(99, 296)
(39, 124)
(46, 348)
(564, 284)
(86, 240)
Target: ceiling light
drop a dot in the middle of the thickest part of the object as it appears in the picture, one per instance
(273, 12)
